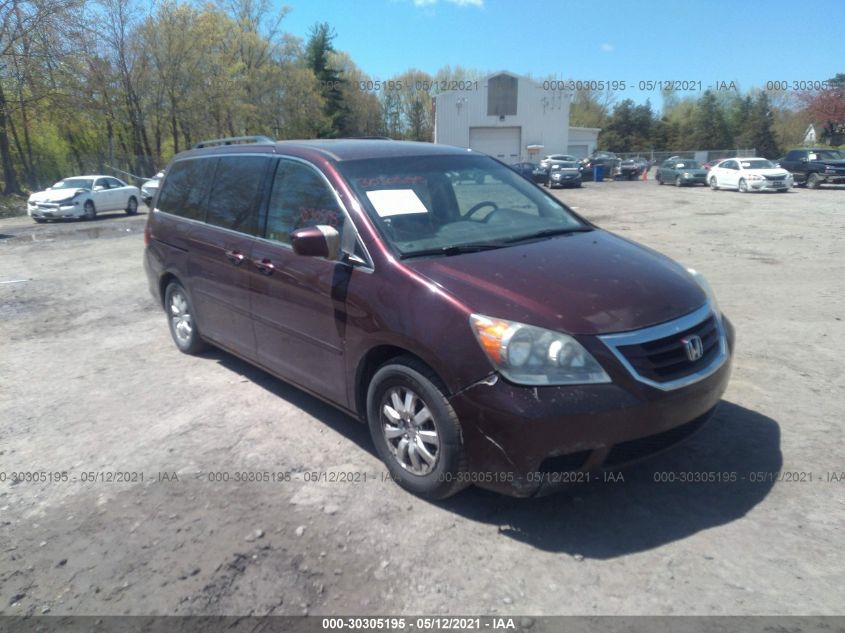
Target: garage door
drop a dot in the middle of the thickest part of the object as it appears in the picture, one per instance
(578, 151)
(500, 142)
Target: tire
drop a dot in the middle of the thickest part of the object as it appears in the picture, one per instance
(391, 412)
(181, 321)
(39, 220)
(677, 181)
(813, 181)
(782, 190)
(714, 186)
(742, 187)
(132, 206)
(658, 179)
(90, 211)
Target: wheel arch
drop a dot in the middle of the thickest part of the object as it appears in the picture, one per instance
(370, 362)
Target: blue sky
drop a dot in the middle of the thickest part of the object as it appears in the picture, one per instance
(711, 41)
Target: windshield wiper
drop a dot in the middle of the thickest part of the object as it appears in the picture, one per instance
(457, 249)
(549, 233)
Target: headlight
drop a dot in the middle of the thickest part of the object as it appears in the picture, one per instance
(529, 355)
(711, 296)
(687, 174)
(755, 177)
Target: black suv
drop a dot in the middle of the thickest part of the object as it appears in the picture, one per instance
(812, 167)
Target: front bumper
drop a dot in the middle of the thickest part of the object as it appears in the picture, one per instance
(519, 440)
(56, 212)
(769, 185)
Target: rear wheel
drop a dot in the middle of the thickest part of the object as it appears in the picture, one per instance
(813, 181)
(415, 430)
(180, 317)
(713, 184)
(742, 187)
(132, 206)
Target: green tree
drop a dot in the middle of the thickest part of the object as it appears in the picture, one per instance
(318, 58)
(761, 127)
(710, 130)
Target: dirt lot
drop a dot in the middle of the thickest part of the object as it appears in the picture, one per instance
(91, 383)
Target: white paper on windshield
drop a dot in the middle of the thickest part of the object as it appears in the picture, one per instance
(744, 164)
(389, 202)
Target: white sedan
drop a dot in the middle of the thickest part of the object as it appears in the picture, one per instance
(748, 174)
(83, 197)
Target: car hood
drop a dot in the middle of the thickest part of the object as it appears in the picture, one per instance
(566, 170)
(53, 195)
(581, 283)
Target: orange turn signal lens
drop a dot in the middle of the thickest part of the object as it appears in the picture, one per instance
(490, 333)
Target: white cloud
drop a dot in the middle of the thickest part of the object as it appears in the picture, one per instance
(607, 48)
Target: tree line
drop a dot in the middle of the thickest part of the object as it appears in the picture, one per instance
(770, 122)
(105, 85)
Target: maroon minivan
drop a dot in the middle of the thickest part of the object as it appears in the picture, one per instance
(486, 333)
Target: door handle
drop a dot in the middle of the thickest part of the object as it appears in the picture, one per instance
(264, 266)
(236, 258)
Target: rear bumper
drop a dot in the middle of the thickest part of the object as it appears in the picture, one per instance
(523, 440)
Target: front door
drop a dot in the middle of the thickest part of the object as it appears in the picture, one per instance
(298, 304)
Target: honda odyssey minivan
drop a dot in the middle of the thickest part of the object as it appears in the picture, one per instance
(485, 332)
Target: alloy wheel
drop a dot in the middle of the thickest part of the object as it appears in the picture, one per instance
(409, 430)
(180, 317)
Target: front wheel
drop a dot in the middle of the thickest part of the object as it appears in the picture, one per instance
(90, 211)
(813, 181)
(132, 206)
(180, 317)
(415, 430)
(742, 187)
(678, 181)
(713, 184)
(39, 220)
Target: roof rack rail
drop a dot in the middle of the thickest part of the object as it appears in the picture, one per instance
(233, 140)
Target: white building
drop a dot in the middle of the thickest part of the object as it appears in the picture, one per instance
(512, 118)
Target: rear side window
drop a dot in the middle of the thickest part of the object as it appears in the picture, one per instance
(185, 191)
(235, 191)
(300, 198)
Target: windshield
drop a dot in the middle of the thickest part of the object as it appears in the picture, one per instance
(74, 183)
(757, 164)
(435, 203)
(567, 165)
(687, 164)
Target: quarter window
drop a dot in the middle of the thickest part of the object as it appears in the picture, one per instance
(300, 198)
(234, 193)
(185, 190)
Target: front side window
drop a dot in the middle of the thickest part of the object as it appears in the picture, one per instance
(234, 194)
(186, 188)
(300, 198)
(102, 182)
(431, 204)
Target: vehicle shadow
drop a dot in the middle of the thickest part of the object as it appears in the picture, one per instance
(639, 508)
(332, 417)
(649, 505)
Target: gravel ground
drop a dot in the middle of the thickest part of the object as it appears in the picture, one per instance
(91, 383)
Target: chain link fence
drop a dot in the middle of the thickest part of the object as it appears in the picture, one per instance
(657, 157)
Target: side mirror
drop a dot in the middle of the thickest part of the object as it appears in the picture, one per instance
(316, 241)
(99, 188)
